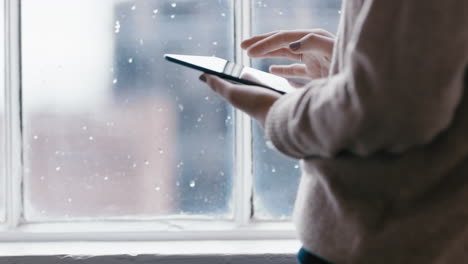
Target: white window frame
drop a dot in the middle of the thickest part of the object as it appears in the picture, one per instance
(243, 227)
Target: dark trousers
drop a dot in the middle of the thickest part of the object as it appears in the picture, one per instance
(306, 257)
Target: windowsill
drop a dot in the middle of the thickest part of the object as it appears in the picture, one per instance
(160, 248)
(152, 231)
(171, 240)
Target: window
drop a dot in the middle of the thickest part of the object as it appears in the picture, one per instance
(2, 114)
(277, 177)
(111, 133)
(111, 130)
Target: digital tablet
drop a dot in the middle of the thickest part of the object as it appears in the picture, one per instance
(233, 72)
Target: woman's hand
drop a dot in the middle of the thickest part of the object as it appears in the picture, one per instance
(313, 48)
(255, 101)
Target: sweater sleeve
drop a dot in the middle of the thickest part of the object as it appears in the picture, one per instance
(400, 84)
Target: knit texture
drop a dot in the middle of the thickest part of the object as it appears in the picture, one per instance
(383, 141)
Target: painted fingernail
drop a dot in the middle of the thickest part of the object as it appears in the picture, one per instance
(295, 45)
(202, 78)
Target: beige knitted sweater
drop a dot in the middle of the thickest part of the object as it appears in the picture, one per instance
(384, 139)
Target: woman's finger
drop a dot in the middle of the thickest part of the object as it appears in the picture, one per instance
(255, 101)
(218, 85)
(323, 32)
(240, 96)
(290, 71)
(273, 42)
(248, 42)
(296, 85)
(300, 33)
(282, 53)
(312, 42)
(250, 77)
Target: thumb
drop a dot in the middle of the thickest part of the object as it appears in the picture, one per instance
(250, 77)
(312, 42)
(217, 84)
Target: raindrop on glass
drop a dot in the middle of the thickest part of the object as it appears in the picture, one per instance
(172, 16)
(58, 168)
(200, 118)
(228, 120)
(192, 184)
(155, 11)
(173, 5)
(117, 26)
(114, 81)
(130, 60)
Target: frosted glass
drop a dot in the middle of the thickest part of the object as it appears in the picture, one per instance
(112, 130)
(277, 177)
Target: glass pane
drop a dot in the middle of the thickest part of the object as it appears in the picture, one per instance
(277, 177)
(112, 130)
(2, 112)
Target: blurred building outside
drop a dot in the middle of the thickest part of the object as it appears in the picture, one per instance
(158, 142)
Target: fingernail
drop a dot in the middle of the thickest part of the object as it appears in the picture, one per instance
(202, 78)
(295, 45)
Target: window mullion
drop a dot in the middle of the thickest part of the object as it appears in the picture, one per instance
(243, 147)
(12, 131)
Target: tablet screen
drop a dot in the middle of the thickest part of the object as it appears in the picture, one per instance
(232, 71)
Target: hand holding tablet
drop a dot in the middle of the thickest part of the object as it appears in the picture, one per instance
(233, 72)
